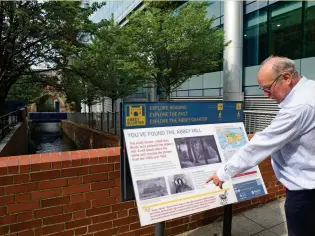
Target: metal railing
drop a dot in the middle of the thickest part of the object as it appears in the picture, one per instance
(103, 121)
(256, 121)
(7, 122)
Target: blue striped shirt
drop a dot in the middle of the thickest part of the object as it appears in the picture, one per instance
(289, 139)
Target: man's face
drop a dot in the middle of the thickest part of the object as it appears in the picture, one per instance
(275, 87)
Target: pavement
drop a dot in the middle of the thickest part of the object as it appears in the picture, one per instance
(264, 220)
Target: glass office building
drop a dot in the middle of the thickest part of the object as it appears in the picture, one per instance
(284, 28)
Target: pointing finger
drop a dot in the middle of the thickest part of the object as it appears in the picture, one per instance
(209, 179)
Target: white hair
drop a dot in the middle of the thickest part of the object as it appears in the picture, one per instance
(282, 65)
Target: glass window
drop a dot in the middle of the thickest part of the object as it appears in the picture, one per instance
(309, 30)
(195, 93)
(255, 41)
(285, 28)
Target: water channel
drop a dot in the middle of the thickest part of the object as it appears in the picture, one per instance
(48, 137)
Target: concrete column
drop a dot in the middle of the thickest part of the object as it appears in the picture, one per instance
(233, 54)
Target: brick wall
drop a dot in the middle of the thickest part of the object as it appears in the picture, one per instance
(86, 137)
(78, 193)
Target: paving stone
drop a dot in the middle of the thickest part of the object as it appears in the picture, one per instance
(264, 216)
(277, 206)
(242, 226)
(280, 230)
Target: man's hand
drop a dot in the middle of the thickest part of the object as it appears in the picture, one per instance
(215, 180)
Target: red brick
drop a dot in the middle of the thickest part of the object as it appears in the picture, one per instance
(78, 215)
(122, 214)
(134, 226)
(25, 166)
(25, 225)
(75, 181)
(123, 229)
(55, 161)
(77, 198)
(56, 201)
(75, 171)
(65, 160)
(114, 175)
(80, 231)
(104, 201)
(6, 220)
(45, 161)
(21, 217)
(115, 191)
(103, 185)
(35, 162)
(101, 168)
(1, 190)
(126, 221)
(7, 200)
(95, 178)
(105, 217)
(23, 178)
(48, 212)
(55, 183)
(21, 188)
(3, 210)
(107, 232)
(46, 194)
(144, 231)
(123, 205)
(85, 158)
(78, 223)
(45, 175)
(64, 233)
(13, 165)
(57, 219)
(4, 230)
(98, 211)
(24, 197)
(30, 232)
(133, 211)
(117, 166)
(94, 156)
(76, 189)
(77, 206)
(50, 229)
(75, 158)
(6, 180)
(19, 207)
(96, 194)
(101, 226)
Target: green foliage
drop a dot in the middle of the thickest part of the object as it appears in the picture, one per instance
(41, 33)
(23, 90)
(172, 46)
(105, 65)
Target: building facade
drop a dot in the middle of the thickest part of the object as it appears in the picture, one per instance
(284, 28)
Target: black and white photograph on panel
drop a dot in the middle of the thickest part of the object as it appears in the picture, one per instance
(180, 183)
(152, 188)
(197, 151)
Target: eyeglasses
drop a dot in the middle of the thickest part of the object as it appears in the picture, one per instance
(268, 89)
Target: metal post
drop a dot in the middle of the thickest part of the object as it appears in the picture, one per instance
(159, 229)
(227, 220)
(102, 117)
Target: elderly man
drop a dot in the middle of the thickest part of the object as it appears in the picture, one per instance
(289, 139)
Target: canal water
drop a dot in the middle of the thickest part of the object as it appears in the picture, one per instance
(48, 137)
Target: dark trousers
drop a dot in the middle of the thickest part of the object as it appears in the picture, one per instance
(300, 212)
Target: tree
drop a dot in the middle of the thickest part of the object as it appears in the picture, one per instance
(106, 65)
(25, 91)
(41, 33)
(173, 45)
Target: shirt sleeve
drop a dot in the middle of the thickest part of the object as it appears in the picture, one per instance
(287, 125)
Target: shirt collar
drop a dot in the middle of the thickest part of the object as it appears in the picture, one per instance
(290, 96)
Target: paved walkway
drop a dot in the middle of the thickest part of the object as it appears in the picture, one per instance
(265, 220)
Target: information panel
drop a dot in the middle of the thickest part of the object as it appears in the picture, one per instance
(169, 164)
